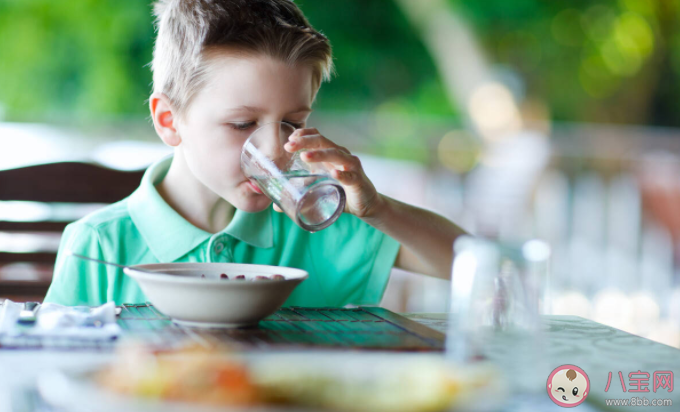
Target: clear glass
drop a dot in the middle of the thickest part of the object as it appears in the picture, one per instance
(305, 192)
(497, 299)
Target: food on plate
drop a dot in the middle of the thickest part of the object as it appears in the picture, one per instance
(192, 375)
(218, 377)
(224, 276)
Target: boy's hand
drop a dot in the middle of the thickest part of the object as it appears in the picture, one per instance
(362, 198)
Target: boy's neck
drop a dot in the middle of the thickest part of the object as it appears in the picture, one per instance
(196, 203)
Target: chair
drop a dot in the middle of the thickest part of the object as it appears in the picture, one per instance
(36, 203)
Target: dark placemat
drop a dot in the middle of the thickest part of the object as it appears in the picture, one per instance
(289, 328)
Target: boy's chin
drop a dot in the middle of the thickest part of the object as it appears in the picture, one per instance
(255, 205)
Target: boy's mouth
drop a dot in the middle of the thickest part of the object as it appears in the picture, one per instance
(254, 187)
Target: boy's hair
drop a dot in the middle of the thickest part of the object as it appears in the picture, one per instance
(188, 30)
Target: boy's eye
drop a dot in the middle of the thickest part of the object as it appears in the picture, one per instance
(248, 125)
(241, 126)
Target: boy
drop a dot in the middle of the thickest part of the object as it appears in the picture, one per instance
(220, 69)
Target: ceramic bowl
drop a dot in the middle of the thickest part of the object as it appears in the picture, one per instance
(197, 295)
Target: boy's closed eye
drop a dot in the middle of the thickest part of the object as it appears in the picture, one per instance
(249, 125)
(241, 126)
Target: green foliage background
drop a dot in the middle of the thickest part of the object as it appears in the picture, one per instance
(615, 61)
(88, 58)
(80, 58)
(605, 60)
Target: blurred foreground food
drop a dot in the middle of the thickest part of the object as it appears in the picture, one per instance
(218, 377)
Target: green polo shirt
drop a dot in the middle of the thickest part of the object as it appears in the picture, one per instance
(348, 262)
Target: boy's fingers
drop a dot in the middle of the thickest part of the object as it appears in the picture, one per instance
(312, 141)
(305, 131)
(347, 178)
(307, 141)
(335, 156)
(277, 208)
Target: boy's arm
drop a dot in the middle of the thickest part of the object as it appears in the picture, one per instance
(426, 238)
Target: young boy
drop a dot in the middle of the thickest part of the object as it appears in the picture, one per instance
(221, 69)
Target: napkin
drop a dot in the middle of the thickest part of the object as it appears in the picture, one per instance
(55, 320)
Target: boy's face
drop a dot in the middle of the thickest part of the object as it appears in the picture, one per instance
(249, 91)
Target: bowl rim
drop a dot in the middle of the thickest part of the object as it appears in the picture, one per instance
(169, 278)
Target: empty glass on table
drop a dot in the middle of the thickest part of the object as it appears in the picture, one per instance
(497, 297)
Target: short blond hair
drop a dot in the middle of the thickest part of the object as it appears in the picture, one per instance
(188, 30)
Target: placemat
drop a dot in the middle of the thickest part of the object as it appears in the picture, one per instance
(367, 328)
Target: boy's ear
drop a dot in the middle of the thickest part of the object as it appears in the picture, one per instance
(164, 119)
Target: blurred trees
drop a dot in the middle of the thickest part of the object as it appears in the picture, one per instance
(87, 58)
(605, 60)
(74, 59)
(600, 61)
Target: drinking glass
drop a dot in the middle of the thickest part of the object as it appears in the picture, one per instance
(497, 297)
(305, 192)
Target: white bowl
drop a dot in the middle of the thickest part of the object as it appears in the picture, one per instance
(179, 291)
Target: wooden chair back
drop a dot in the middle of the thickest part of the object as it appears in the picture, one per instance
(28, 246)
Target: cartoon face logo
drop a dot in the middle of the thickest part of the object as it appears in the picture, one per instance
(568, 386)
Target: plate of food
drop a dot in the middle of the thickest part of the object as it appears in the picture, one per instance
(201, 380)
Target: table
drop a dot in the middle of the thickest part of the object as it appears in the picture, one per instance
(596, 348)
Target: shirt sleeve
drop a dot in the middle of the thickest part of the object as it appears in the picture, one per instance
(77, 281)
(383, 262)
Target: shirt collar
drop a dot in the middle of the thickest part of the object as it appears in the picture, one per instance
(256, 229)
(170, 236)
